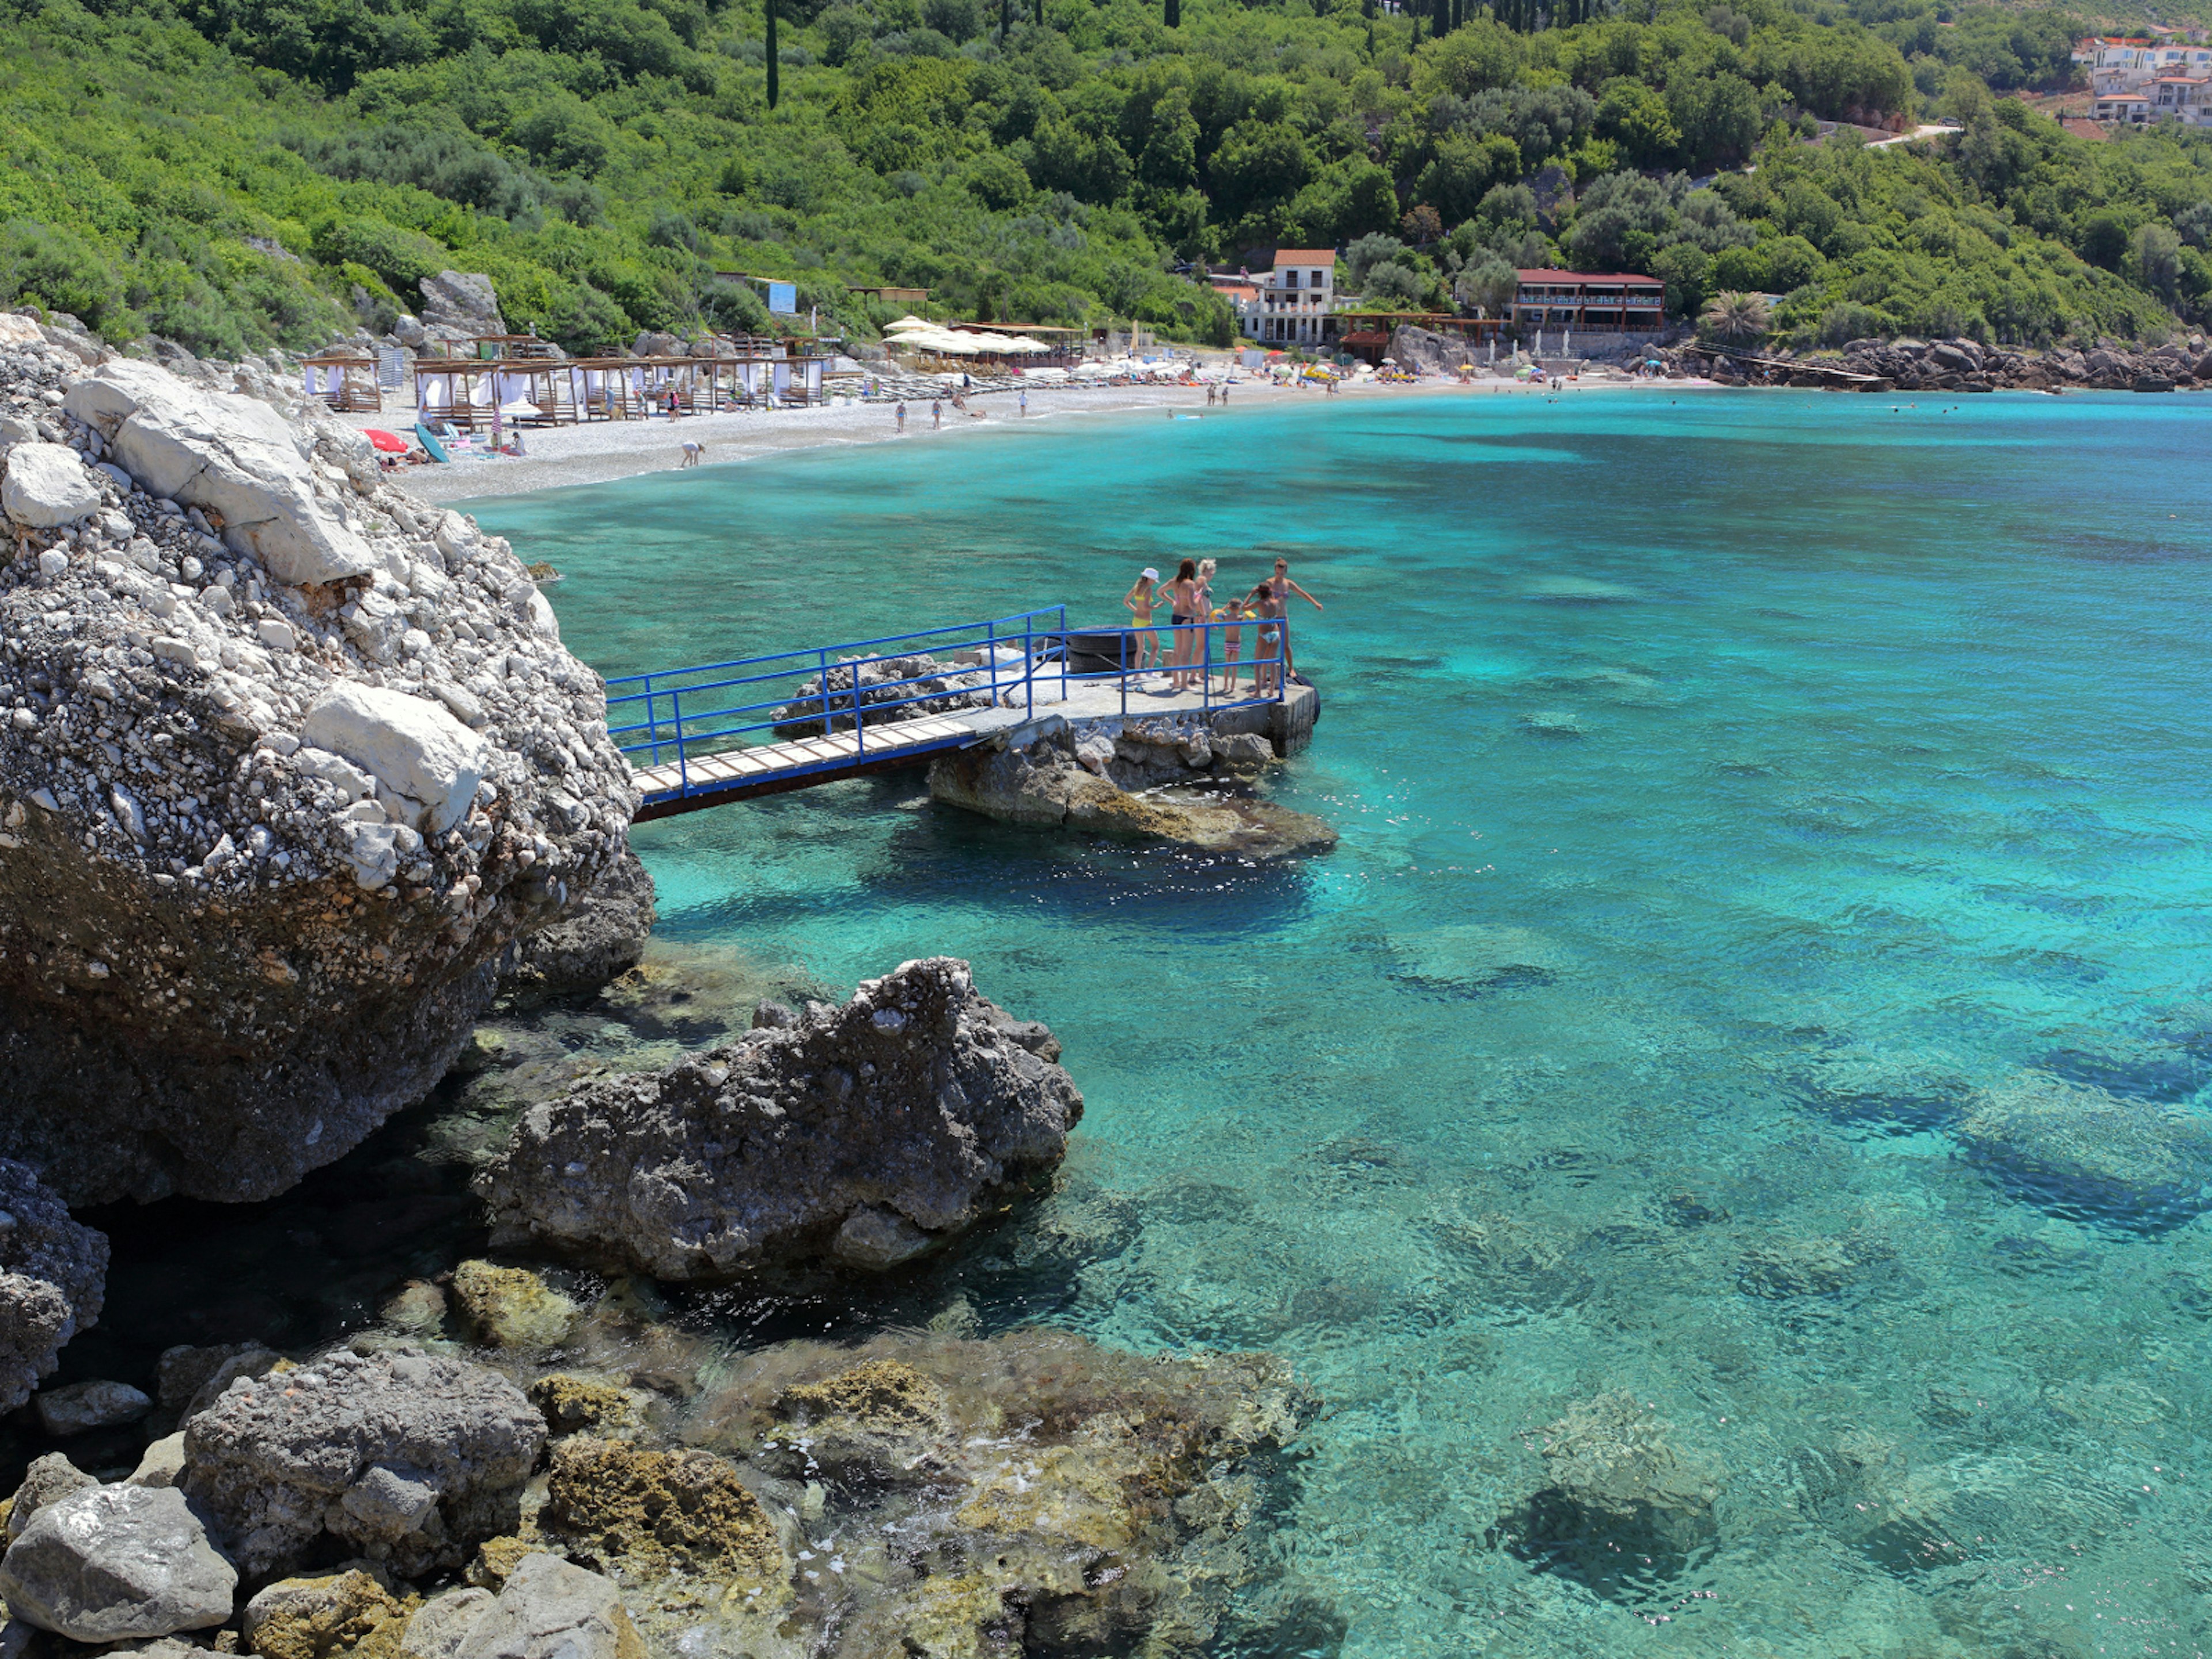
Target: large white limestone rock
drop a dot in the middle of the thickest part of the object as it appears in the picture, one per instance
(229, 455)
(45, 487)
(411, 745)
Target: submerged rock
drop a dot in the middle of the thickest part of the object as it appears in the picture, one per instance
(2089, 1155)
(403, 1458)
(54, 1276)
(575, 1405)
(1033, 1493)
(117, 1564)
(288, 761)
(511, 1307)
(1478, 956)
(1620, 1507)
(1060, 782)
(912, 1102)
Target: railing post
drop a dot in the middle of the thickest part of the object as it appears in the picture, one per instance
(1029, 667)
(1205, 658)
(1282, 654)
(991, 656)
(683, 760)
(822, 676)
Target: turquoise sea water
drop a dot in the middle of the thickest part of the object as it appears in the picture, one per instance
(1731, 786)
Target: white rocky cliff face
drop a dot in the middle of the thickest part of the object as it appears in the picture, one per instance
(288, 761)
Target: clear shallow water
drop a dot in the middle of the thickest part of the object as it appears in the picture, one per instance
(1624, 1047)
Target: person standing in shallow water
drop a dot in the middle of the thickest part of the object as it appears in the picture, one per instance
(901, 417)
(936, 414)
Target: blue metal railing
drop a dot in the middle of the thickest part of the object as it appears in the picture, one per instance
(685, 714)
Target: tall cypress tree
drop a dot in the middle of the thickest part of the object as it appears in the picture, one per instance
(1005, 14)
(775, 86)
(1040, 13)
(1175, 14)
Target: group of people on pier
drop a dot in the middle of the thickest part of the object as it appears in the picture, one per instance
(1192, 617)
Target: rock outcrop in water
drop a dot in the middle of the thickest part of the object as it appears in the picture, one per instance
(52, 1278)
(288, 762)
(1150, 780)
(866, 1131)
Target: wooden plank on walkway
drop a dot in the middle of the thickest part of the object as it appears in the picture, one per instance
(732, 768)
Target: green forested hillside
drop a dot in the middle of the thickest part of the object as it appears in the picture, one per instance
(241, 172)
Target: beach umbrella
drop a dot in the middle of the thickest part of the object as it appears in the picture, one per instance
(391, 442)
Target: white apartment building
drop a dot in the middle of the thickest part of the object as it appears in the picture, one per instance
(1292, 302)
(2118, 65)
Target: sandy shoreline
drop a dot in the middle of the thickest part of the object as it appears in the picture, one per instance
(604, 451)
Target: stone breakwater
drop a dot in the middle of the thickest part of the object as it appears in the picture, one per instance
(868, 1133)
(288, 762)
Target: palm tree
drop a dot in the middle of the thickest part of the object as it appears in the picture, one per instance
(1734, 316)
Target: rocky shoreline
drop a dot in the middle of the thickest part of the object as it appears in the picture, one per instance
(1959, 365)
(295, 780)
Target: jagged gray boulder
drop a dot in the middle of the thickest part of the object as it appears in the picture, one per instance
(117, 1564)
(264, 846)
(602, 937)
(406, 1459)
(917, 1101)
(49, 1480)
(550, 1609)
(461, 299)
(54, 1276)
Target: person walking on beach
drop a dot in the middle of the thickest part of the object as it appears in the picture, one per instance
(1023, 400)
(1281, 587)
(901, 417)
(1139, 602)
(936, 414)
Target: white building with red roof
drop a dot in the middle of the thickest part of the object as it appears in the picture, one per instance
(1292, 302)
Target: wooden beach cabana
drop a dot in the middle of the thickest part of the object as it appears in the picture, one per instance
(345, 380)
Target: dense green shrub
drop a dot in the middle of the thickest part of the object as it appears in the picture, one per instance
(243, 172)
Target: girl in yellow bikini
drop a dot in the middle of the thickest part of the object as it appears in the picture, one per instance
(1138, 602)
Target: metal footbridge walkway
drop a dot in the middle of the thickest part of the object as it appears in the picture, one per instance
(734, 731)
